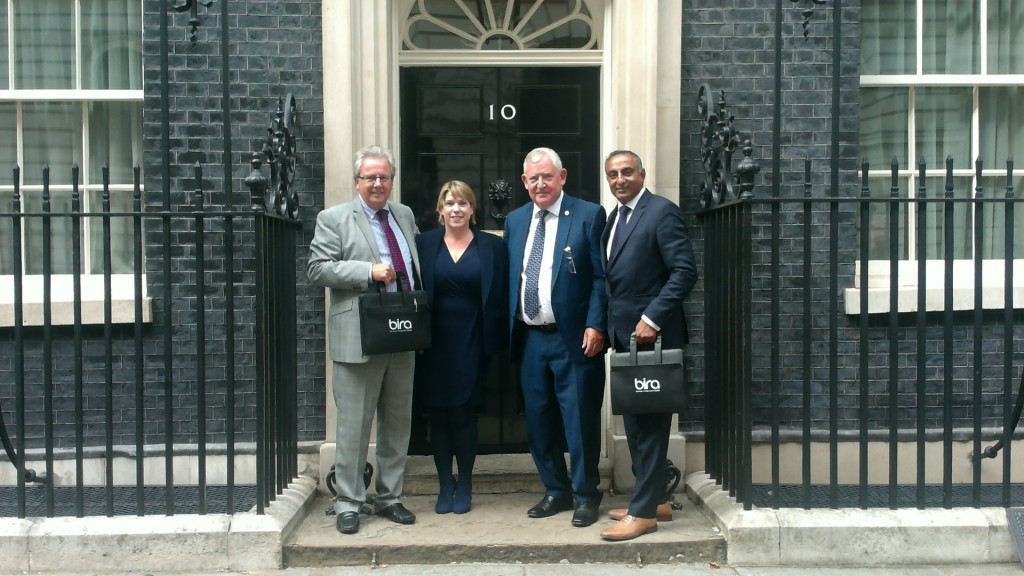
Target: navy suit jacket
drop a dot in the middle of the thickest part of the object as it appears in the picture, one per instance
(493, 282)
(578, 296)
(651, 273)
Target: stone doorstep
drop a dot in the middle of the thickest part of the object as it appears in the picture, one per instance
(497, 530)
(853, 537)
(492, 474)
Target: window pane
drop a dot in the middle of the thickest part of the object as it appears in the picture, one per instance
(571, 33)
(952, 37)
(935, 248)
(53, 135)
(122, 245)
(883, 126)
(879, 220)
(943, 125)
(888, 36)
(44, 44)
(115, 129)
(1005, 37)
(111, 44)
(1002, 124)
(5, 79)
(9, 144)
(60, 234)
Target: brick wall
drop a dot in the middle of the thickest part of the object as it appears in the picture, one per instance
(730, 46)
(275, 50)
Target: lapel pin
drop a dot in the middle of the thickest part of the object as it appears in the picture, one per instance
(566, 213)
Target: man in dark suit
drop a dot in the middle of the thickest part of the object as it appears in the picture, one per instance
(558, 308)
(356, 244)
(649, 270)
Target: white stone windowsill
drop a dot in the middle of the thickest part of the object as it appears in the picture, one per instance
(992, 286)
(62, 300)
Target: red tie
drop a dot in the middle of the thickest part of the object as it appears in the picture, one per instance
(396, 252)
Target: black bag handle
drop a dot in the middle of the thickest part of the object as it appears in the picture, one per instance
(382, 287)
(632, 349)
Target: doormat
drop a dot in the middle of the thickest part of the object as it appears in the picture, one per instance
(1015, 519)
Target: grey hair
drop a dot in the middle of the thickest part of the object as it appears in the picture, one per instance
(372, 151)
(539, 154)
(639, 162)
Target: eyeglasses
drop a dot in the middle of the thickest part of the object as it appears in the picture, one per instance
(372, 179)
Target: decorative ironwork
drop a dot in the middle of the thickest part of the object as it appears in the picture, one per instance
(489, 25)
(193, 22)
(746, 171)
(807, 13)
(499, 193)
(719, 139)
(276, 194)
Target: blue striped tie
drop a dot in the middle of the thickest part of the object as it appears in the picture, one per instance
(531, 298)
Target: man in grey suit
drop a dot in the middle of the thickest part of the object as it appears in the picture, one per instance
(356, 245)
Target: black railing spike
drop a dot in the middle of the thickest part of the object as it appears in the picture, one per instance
(106, 184)
(949, 177)
(807, 177)
(922, 187)
(865, 189)
(979, 188)
(193, 21)
(198, 169)
(807, 13)
(894, 186)
(1009, 177)
(46, 187)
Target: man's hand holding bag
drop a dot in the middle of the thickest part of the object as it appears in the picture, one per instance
(394, 321)
(649, 381)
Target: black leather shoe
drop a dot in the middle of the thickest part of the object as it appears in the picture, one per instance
(397, 513)
(348, 522)
(585, 514)
(550, 505)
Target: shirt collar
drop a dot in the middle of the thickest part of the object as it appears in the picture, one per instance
(554, 208)
(636, 200)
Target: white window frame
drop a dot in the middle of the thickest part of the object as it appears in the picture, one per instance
(993, 270)
(92, 285)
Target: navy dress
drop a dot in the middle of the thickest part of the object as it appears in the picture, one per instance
(454, 367)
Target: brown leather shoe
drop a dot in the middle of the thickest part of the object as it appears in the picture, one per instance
(630, 527)
(664, 513)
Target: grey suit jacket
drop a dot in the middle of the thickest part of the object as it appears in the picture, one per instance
(340, 256)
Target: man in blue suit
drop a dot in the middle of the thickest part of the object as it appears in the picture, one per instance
(649, 270)
(558, 308)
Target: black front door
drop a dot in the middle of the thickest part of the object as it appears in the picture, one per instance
(476, 125)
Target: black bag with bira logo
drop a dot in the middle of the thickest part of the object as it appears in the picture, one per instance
(394, 321)
(649, 381)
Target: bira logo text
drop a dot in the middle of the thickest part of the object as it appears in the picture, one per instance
(646, 385)
(399, 325)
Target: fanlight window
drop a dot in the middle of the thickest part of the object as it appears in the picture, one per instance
(499, 25)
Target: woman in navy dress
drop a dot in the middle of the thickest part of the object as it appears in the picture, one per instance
(465, 274)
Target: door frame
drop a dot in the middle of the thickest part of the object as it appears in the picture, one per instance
(640, 110)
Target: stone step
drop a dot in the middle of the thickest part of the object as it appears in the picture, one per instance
(497, 530)
(492, 474)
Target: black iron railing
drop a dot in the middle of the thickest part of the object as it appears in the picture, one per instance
(166, 387)
(799, 353)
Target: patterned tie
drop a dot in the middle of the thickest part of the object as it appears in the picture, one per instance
(620, 231)
(531, 297)
(396, 252)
